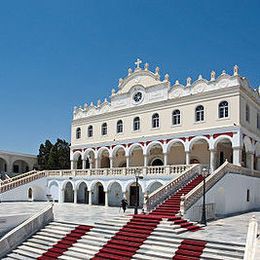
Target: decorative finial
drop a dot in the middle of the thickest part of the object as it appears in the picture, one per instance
(75, 109)
(146, 66)
(223, 72)
(105, 101)
(137, 63)
(177, 82)
(86, 105)
(99, 103)
(236, 69)
(166, 77)
(157, 69)
(188, 82)
(91, 104)
(120, 81)
(129, 71)
(212, 75)
(113, 92)
(200, 76)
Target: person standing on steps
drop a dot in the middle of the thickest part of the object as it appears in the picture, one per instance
(124, 204)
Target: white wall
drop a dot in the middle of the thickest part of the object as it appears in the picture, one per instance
(230, 194)
(39, 188)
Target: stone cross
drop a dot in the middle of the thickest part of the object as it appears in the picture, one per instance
(137, 63)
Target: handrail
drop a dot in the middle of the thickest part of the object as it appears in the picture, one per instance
(250, 249)
(158, 196)
(20, 176)
(26, 229)
(11, 185)
(196, 193)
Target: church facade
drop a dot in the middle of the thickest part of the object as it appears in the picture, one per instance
(151, 122)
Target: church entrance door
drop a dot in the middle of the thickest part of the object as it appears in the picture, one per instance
(101, 195)
(157, 162)
(133, 192)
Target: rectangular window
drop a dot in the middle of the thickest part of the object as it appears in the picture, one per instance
(247, 113)
(248, 195)
(258, 121)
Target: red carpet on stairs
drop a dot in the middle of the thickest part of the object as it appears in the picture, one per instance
(59, 248)
(124, 244)
(170, 207)
(190, 249)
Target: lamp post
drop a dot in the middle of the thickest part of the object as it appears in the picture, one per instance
(204, 174)
(137, 177)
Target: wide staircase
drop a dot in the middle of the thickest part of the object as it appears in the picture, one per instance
(121, 238)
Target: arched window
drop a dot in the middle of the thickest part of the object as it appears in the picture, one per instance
(30, 194)
(155, 120)
(223, 109)
(119, 126)
(90, 131)
(104, 129)
(247, 113)
(176, 117)
(199, 113)
(136, 123)
(78, 133)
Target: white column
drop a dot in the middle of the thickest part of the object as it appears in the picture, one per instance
(90, 163)
(75, 196)
(61, 196)
(165, 157)
(187, 154)
(252, 159)
(84, 163)
(127, 161)
(145, 160)
(111, 162)
(237, 155)
(106, 198)
(97, 163)
(72, 165)
(212, 160)
(90, 197)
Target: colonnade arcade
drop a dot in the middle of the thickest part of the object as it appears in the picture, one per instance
(18, 166)
(209, 150)
(100, 192)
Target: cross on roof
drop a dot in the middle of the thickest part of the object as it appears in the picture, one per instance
(137, 63)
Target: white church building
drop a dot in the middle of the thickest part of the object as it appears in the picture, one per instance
(161, 130)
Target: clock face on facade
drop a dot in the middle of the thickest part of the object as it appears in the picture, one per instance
(137, 97)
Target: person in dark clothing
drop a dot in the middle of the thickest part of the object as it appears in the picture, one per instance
(124, 204)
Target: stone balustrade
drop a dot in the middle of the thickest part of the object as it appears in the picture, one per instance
(158, 196)
(195, 194)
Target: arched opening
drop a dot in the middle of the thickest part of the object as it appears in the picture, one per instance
(224, 152)
(98, 194)
(89, 157)
(157, 162)
(153, 187)
(115, 194)
(176, 153)
(68, 192)
(30, 194)
(119, 159)
(3, 165)
(79, 163)
(104, 159)
(155, 155)
(54, 191)
(247, 152)
(20, 166)
(82, 193)
(136, 157)
(134, 192)
(199, 151)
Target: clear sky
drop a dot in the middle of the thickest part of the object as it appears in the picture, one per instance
(58, 54)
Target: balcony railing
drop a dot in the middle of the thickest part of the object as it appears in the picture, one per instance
(149, 170)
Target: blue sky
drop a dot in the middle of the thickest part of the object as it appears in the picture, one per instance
(58, 54)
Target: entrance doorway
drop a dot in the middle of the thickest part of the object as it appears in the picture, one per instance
(157, 162)
(133, 191)
(101, 195)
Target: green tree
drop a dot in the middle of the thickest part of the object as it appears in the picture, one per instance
(54, 156)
